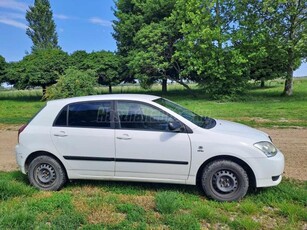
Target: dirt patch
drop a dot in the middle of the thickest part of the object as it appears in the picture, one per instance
(292, 142)
(8, 140)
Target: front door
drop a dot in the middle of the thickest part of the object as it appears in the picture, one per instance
(146, 148)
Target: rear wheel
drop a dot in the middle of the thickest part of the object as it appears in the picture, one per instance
(46, 173)
(224, 180)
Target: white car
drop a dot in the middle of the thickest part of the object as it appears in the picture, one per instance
(130, 137)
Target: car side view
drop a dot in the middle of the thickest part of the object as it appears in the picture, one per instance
(131, 137)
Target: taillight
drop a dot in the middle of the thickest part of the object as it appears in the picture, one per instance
(21, 129)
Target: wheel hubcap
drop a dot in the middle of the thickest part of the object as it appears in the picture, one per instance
(45, 174)
(225, 181)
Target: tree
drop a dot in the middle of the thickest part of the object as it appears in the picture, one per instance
(41, 68)
(146, 34)
(78, 59)
(153, 57)
(289, 26)
(105, 64)
(207, 48)
(274, 37)
(14, 70)
(72, 83)
(148, 60)
(3, 66)
(129, 21)
(265, 60)
(42, 29)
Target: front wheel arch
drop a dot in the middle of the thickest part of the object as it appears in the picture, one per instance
(243, 164)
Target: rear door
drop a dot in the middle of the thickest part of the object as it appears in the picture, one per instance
(83, 134)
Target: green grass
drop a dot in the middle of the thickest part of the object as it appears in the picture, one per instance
(18, 107)
(168, 202)
(118, 205)
(257, 108)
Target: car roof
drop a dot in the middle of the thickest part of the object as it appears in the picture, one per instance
(136, 97)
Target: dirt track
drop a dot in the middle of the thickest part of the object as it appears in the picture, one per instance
(292, 142)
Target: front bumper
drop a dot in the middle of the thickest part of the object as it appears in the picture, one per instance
(268, 171)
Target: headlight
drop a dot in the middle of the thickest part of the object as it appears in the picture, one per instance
(267, 148)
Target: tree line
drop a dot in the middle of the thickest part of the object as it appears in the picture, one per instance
(218, 44)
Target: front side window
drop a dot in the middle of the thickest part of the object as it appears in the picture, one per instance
(140, 116)
(86, 114)
(203, 122)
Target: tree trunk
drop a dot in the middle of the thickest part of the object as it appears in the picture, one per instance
(44, 90)
(164, 85)
(110, 88)
(288, 91)
(262, 84)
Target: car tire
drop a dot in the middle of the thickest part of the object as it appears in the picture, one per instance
(46, 173)
(224, 180)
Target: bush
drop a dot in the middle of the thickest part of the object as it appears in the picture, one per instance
(73, 83)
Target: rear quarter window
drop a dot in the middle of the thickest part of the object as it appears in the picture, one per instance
(61, 119)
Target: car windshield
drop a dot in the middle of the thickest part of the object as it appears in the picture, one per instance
(187, 114)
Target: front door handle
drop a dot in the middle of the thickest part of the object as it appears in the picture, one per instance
(124, 137)
(60, 134)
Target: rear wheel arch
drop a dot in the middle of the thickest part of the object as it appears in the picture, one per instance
(243, 164)
(36, 154)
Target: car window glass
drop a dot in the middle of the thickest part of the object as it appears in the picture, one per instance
(61, 119)
(135, 115)
(90, 114)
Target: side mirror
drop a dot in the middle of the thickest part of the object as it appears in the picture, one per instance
(175, 126)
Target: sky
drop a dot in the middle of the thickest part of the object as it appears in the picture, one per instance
(80, 24)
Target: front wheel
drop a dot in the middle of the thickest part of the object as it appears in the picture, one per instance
(46, 173)
(224, 180)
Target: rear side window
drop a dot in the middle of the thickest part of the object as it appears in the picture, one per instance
(85, 114)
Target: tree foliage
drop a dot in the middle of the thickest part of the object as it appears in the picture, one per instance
(78, 59)
(148, 49)
(219, 44)
(273, 37)
(3, 66)
(207, 49)
(41, 27)
(288, 24)
(149, 61)
(181, 40)
(40, 68)
(105, 64)
(71, 84)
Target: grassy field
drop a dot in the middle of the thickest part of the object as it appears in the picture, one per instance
(258, 107)
(114, 205)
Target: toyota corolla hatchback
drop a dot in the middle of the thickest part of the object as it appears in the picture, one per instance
(144, 138)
